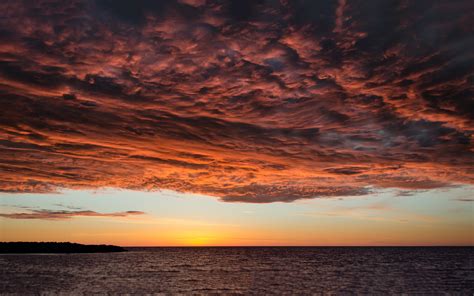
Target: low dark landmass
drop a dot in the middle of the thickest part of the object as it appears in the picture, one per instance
(55, 247)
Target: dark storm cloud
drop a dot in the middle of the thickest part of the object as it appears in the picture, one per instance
(249, 101)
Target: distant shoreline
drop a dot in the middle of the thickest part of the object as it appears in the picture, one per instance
(55, 248)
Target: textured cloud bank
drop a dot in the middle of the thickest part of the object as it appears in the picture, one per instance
(249, 101)
(62, 215)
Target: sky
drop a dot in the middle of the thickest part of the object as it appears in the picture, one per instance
(266, 122)
(167, 218)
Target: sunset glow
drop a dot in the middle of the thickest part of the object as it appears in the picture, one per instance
(173, 219)
(217, 123)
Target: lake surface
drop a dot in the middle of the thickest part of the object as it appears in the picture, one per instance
(243, 270)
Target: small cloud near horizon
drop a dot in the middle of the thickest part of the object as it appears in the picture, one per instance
(64, 215)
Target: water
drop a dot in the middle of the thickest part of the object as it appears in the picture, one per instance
(244, 270)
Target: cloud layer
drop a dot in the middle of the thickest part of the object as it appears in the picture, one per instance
(248, 101)
(63, 215)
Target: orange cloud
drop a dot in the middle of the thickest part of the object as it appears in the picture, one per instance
(259, 102)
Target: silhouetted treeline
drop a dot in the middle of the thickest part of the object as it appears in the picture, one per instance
(55, 247)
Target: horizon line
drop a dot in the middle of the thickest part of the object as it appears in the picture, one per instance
(300, 246)
(247, 246)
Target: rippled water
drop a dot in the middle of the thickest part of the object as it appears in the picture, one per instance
(244, 270)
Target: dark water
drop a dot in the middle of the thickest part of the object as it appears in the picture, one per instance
(244, 270)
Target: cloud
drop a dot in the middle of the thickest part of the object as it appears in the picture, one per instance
(247, 101)
(465, 199)
(68, 206)
(64, 215)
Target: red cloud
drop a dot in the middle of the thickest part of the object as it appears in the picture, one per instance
(299, 100)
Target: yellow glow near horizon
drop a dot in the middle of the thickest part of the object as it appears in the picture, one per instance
(197, 238)
(187, 220)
